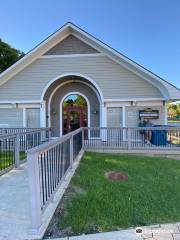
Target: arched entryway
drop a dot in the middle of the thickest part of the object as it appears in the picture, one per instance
(54, 97)
(75, 112)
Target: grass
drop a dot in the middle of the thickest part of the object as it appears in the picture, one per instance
(151, 194)
(6, 159)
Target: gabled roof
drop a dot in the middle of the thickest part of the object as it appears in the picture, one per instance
(168, 90)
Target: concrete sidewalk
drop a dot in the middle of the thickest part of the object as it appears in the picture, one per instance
(154, 232)
(14, 205)
(116, 235)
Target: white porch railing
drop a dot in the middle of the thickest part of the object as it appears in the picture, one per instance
(150, 138)
(13, 146)
(48, 164)
(4, 131)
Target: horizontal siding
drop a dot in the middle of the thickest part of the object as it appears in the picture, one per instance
(71, 45)
(11, 116)
(132, 115)
(114, 80)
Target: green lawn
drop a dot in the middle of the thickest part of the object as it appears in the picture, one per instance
(151, 194)
(6, 159)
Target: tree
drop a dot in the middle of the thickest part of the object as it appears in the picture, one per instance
(68, 102)
(174, 110)
(80, 101)
(172, 113)
(178, 110)
(8, 55)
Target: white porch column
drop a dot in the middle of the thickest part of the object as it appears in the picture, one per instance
(103, 122)
(165, 113)
(24, 118)
(43, 114)
(103, 116)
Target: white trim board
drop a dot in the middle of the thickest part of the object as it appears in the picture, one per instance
(132, 99)
(21, 101)
(73, 55)
(24, 118)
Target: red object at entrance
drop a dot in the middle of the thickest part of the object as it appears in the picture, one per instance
(74, 117)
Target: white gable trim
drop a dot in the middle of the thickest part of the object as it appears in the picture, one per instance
(168, 90)
(31, 56)
(120, 56)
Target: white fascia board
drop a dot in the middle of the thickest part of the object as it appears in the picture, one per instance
(135, 103)
(6, 105)
(149, 103)
(133, 99)
(22, 101)
(118, 104)
(29, 105)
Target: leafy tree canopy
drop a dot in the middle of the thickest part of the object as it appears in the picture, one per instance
(8, 55)
(75, 100)
(174, 110)
(80, 101)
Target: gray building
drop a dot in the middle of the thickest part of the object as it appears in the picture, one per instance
(73, 63)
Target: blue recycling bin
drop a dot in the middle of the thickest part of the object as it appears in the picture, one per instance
(159, 137)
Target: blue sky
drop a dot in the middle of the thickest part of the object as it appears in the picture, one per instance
(146, 31)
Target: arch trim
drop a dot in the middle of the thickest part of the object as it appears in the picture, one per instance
(64, 83)
(76, 75)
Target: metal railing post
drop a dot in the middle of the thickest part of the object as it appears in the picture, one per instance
(71, 151)
(34, 187)
(17, 150)
(129, 138)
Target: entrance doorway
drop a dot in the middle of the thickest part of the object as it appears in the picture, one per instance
(74, 113)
